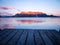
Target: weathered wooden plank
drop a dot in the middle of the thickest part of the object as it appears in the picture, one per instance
(6, 34)
(59, 32)
(3, 32)
(30, 38)
(37, 38)
(45, 38)
(14, 40)
(56, 34)
(6, 39)
(22, 39)
(51, 37)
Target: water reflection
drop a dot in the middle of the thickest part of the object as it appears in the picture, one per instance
(6, 26)
(7, 23)
(30, 23)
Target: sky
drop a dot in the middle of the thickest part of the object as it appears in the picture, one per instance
(16, 6)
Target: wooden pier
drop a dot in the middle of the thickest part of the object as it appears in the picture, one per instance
(29, 37)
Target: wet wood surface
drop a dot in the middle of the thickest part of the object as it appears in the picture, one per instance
(29, 37)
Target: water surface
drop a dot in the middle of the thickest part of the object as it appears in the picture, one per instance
(30, 23)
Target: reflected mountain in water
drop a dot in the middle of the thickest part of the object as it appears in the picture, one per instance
(29, 21)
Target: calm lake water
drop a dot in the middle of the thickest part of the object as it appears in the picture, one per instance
(30, 23)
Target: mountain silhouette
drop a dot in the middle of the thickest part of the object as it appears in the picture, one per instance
(32, 14)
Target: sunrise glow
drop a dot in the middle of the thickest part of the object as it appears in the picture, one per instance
(35, 6)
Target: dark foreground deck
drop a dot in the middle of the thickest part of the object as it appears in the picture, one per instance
(29, 37)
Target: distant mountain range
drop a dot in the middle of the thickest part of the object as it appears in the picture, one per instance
(31, 14)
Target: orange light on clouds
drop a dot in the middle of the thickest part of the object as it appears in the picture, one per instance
(10, 7)
(30, 12)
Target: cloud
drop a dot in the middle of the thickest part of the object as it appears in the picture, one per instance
(6, 8)
(5, 14)
(10, 7)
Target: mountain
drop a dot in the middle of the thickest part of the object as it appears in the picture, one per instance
(33, 14)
